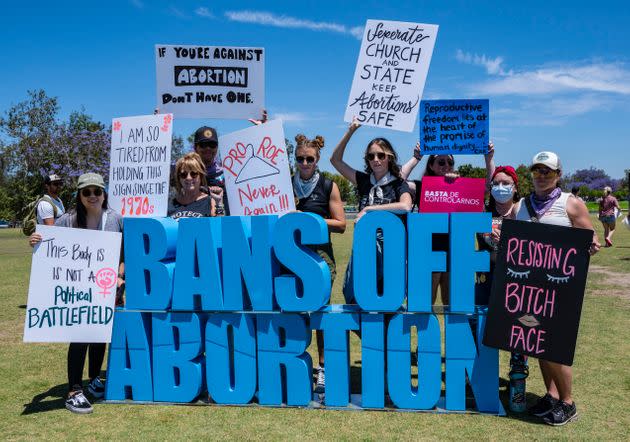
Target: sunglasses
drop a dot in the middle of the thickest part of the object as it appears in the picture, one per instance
(207, 145)
(309, 160)
(542, 171)
(380, 155)
(443, 163)
(89, 192)
(184, 175)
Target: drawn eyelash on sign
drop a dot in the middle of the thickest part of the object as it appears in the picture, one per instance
(519, 275)
(557, 278)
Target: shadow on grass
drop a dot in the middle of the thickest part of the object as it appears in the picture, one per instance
(22, 306)
(40, 403)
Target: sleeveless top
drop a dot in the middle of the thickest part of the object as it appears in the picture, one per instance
(556, 215)
(318, 201)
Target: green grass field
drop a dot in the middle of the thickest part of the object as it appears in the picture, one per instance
(34, 375)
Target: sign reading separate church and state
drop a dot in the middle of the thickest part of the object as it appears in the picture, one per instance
(538, 288)
(390, 74)
(210, 81)
(256, 170)
(72, 291)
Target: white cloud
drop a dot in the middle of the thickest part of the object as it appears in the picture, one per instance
(177, 12)
(553, 78)
(290, 117)
(493, 66)
(283, 21)
(139, 4)
(204, 12)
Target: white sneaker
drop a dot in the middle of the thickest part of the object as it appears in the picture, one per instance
(321, 380)
(78, 403)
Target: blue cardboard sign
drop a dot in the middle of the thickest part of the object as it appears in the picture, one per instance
(245, 337)
(454, 127)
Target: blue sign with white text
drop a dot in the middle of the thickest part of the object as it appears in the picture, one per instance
(454, 127)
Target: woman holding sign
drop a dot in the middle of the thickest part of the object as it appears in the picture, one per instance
(91, 212)
(317, 194)
(549, 205)
(440, 165)
(190, 201)
(380, 187)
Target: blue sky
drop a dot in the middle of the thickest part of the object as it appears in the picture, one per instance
(557, 76)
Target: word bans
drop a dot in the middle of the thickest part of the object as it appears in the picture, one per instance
(269, 266)
(237, 357)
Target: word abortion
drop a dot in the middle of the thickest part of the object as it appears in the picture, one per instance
(250, 308)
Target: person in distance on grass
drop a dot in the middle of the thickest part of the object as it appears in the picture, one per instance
(547, 204)
(440, 165)
(50, 207)
(317, 194)
(380, 187)
(91, 212)
(608, 206)
(190, 201)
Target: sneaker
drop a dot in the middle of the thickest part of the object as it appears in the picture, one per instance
(544, 405)
(78, 403)
(321, 380)
(561, 414)
(96, 388)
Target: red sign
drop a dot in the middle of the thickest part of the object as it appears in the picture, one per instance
(460, 195)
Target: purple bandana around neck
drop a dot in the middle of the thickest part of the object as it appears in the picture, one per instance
(541, 205)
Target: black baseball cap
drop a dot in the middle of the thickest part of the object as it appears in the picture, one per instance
(52, 179)
(206, 134)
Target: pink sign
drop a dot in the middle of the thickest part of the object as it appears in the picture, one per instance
(461, 195)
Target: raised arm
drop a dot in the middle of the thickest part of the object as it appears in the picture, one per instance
(490, 166)
(263, 119)
(408, 167)
(337, 156)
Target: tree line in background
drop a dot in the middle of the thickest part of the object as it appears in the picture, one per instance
(34, 142)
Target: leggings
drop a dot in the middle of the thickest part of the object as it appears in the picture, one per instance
(76, 361)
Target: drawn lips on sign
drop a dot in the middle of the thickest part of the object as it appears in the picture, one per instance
(255, 167)
(529, 321)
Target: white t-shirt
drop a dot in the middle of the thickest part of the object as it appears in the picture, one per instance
(45, 209)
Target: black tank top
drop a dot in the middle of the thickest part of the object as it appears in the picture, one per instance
(319, 200)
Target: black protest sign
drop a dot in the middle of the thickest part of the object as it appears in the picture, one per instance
(538, 288)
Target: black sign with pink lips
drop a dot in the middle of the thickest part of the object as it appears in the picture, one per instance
(538, 288)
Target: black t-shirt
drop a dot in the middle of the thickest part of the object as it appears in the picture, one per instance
(319, 200)
(392, 191)
(196, 209)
